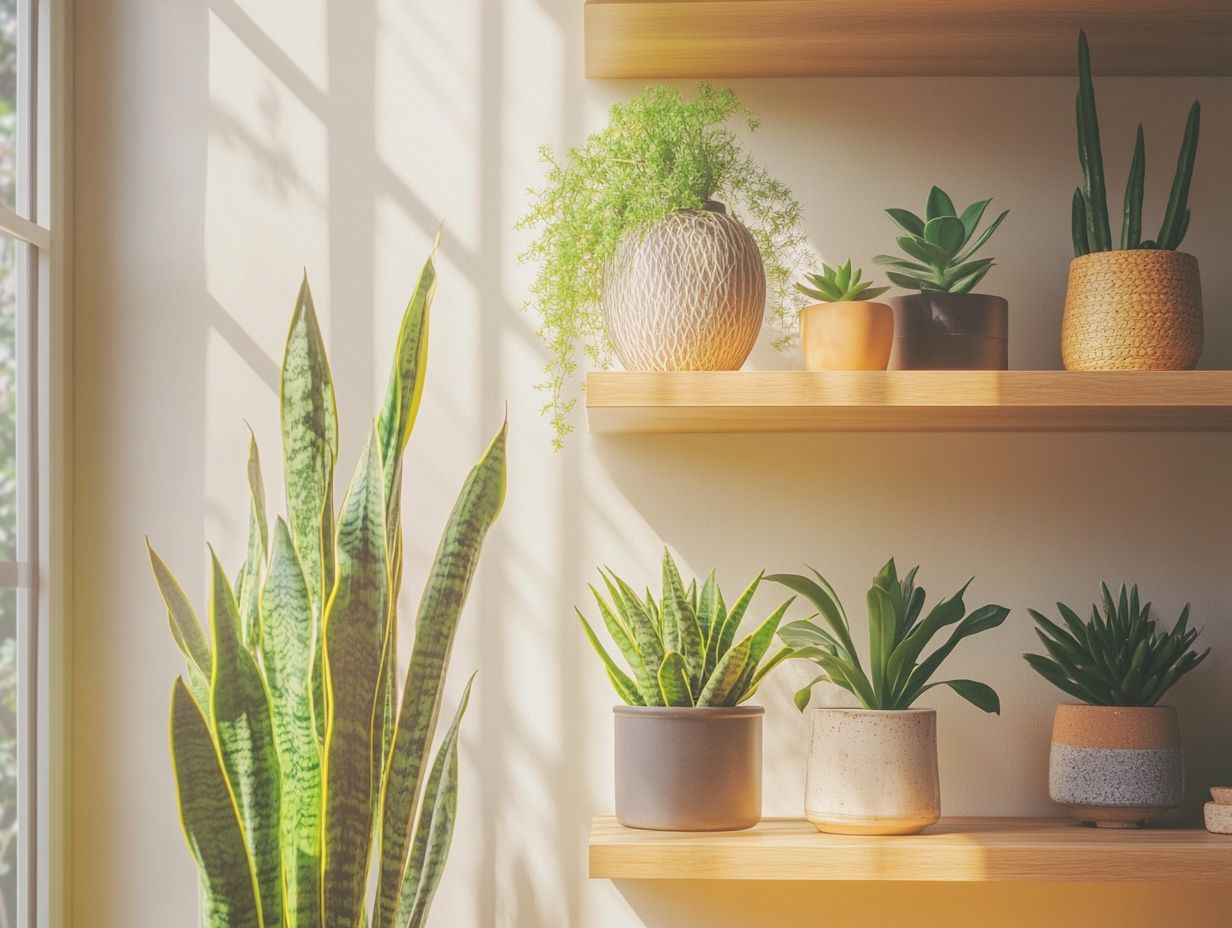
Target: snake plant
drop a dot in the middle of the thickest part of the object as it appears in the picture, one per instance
(1089, 210)
(298, 764)
(898, 635)
(939, 247)
(840, 284)
(1117, 658)
(682, 649)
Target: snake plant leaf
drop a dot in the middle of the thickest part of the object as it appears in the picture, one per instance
(1131, 221)
(722, 683)
(1090, 153)
(678, 613)
(185, 628)
(623, 636)
(731, 622)
(355, 634)
(707, 610)
(435, 829)
(646, 634)
(287, 657)
(248, 592)
(1176, 217)
(240, 717)
(674, 681)
(211, 820)
(449, 581)
(625, 688)
(1078, 224)
(310, 445)
(980, 695)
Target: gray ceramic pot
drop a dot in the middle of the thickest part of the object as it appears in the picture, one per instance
(950, 332)
(688, 769)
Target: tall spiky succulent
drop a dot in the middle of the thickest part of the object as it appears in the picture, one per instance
(939, 247)
(1117, 658)
(295, 756)
(1089, 212)
(682, 649)
(898, 632)
(840, 285)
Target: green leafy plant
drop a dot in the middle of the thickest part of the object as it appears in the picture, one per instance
(295, 756)
(659, 153)
(682, 649)
(839, 285)
(939, 247)
(1117, 658)
(1089, 213)
(897, 675)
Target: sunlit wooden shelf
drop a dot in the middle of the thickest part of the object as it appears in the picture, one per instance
(910, 401)
(1008, 850)
(789, 38)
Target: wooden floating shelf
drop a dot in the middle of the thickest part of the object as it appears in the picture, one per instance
(1008, 850)
(910, 401)
(793, 38)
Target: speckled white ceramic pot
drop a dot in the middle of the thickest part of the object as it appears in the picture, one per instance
(873, 772)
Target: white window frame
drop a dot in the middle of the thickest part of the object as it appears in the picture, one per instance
(41, 573)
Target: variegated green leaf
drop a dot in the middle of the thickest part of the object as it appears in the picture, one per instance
(356, 626)
(185, 628)
(240, 717)
(726, 675)
(434, 832)
(680, 615)
(287, 656)
(626, 689)
(623, 636)
(674, 681)
(249, 589)
(211, 820)
(445, 593)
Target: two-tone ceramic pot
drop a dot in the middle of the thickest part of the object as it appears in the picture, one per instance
(688, 769)
(1116, 767)
(846, 336)
(873, 772)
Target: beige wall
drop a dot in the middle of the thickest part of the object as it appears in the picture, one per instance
(224, 145)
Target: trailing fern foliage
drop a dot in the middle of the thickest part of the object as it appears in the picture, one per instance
(297, 761)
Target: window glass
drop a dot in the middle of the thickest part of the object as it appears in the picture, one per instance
(9, 761)
(9, 392)
(8, 103)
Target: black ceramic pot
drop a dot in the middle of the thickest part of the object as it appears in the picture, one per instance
(950, 332)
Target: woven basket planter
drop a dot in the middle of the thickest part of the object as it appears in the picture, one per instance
(686, 294)
(1133, 310)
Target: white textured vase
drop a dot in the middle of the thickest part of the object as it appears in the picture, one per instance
(686, 294)
(872, 772)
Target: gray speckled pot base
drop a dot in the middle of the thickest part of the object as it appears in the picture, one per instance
(1132, 784)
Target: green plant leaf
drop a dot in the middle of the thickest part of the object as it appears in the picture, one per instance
(355, 632)
(906, 282)
(804, 694)
(932, 254)
(722, 684)
(983, 238)
(881, 629)
(980, 695)
(822, 595)
(678, 614)
(249, 592)
(625, 688)
(210, 819)
(906, 220)
(939, 206)
(1176, 218)
(972, 215)
(731, 623)
(674, 681)
(623, 637)
(1131, 222)
(240, 718)
(1078, 224)
(947, 234)
(287, 657)
(185, 628)
(449, 581)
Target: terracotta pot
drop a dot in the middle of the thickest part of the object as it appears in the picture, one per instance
(872, 772)
(1116, 767)
(686, 294)
(688, 769)
(1133, 310)
(950, 332)
(851, 336)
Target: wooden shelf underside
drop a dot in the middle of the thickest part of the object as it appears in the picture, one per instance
(790, 38)
(919, 401)
(956, 850)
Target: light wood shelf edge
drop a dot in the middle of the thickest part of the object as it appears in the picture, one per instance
(956, 850)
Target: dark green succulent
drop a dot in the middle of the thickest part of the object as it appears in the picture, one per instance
(840, 284)
(1089, 213)
(1117, 658)
(939, 248)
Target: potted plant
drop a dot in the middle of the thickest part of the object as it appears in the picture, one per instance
(1137, 307)
(873, 770)
(297, 761)
(945, 326)
(658, 239)
(1116, 755)
(845, 330)
(688, 752)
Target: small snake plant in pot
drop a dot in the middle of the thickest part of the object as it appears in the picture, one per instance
(873, 770)
(1137, 306)
(688, 751)
(945, 325)
(846, 329)
(1116, 754)
(307, 787)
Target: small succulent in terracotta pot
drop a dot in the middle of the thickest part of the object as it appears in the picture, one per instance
(1116, 756)
(873, 770)
(845, 330)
